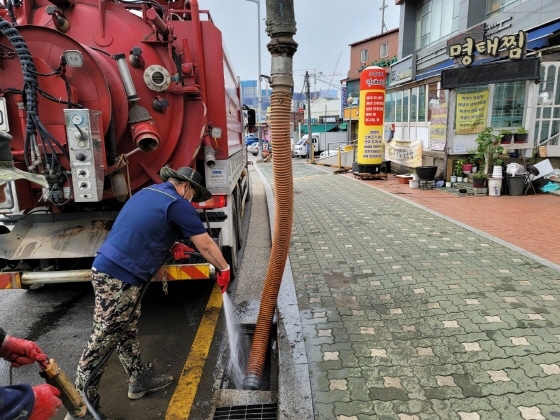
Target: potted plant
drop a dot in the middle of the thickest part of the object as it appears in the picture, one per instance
(458, 170)
(489, 148)
(521, 135)
(505, 136)
(474, 159)
(479, 179)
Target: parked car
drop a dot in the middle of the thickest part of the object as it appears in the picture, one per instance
(249, 140)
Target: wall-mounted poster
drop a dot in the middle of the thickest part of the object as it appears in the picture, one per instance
(472, 108)
(438, 128)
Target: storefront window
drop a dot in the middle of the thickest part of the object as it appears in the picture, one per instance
(547, 126)
(432, 96)
(422, 103)
(507, 105)
(413, 104)
(406, 94)
(399, 106)
(390, 107)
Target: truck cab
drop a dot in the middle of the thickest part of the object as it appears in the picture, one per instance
(302, 148)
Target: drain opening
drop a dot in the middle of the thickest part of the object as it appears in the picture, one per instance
(270, 372)
(247, 412)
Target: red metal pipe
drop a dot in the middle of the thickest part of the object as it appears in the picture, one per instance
(197, 39)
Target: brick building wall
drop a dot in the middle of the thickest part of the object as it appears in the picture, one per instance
(373, 45)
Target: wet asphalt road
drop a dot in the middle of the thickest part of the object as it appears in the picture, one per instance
(59, 318)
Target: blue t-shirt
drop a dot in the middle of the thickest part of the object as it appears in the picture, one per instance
(181, 217)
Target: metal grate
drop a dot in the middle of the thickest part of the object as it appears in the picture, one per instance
(247, 412)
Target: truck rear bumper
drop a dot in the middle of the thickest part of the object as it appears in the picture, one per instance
(175, 272)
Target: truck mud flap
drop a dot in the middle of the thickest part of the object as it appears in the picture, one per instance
(10, 280)
(185, 272)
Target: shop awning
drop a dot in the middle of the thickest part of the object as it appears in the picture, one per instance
(320, 128)
(539, 38)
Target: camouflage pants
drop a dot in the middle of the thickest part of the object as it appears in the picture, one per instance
(114, 302)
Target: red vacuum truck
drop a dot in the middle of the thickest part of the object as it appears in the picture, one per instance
(98, 96)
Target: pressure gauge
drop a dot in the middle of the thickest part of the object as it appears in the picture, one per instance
(76, 119)
(73, 58)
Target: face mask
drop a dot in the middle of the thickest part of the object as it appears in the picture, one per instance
(191, 189)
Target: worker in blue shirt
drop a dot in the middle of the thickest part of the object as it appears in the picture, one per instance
(147, 227)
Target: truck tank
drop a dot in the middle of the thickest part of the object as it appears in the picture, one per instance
(98, 96)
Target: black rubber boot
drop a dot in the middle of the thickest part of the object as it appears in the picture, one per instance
(147, 381)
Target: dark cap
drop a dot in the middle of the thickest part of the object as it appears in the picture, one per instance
(189, 175)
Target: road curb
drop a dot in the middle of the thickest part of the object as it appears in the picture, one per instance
(294, 387)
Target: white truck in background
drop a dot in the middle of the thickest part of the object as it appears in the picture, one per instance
(322, 142)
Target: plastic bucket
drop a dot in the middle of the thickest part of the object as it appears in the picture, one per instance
(494, 186)
(516, 184)
(413, 183)
(497, 173)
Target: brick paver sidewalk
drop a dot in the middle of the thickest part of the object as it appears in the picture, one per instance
(408, 315)
(528, 221)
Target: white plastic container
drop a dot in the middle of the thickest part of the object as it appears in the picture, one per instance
(494, 186)
(413, 183)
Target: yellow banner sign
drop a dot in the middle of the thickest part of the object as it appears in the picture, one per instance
(472, 108)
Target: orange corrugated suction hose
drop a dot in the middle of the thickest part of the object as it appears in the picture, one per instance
(284, 203)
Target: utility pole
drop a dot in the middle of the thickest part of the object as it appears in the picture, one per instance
(259, 92)
(382, 8)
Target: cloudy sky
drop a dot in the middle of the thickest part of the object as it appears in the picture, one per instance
(324, 30)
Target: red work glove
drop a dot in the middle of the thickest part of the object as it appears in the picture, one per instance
(46, 402)
(223, 278)
(181, 251)
(22, 352)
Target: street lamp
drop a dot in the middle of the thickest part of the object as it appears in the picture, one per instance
(259, 93)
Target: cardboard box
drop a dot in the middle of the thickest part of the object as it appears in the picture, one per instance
(404, 179)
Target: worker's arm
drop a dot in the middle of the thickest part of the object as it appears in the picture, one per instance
(19, 402)
(16, 402)
(209, 250)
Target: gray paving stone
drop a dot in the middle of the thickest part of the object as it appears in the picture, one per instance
(323, 411)
(392, 253)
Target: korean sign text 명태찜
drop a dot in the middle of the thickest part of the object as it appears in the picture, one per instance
(514, 44)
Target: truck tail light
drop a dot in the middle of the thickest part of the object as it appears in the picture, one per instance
(216, 202)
